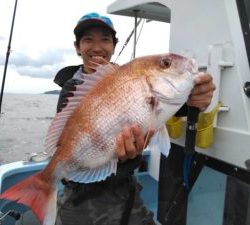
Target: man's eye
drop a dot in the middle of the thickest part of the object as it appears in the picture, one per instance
(106, 39)
(87, 38)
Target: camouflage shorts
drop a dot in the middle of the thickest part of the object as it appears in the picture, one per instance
(103, 206)
(106, 207)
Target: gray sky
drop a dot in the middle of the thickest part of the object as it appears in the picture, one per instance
(43, 38)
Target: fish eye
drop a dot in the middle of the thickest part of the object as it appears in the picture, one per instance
(166, 62)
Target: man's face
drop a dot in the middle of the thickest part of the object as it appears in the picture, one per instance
(95, 47)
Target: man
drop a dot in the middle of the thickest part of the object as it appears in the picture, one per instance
(116, 200)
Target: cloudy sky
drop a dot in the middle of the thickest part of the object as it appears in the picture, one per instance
(42, 41)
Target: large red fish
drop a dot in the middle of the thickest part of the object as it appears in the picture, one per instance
(82, 137)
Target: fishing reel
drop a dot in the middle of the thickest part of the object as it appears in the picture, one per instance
(12, 213)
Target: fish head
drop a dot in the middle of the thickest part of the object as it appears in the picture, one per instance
(171, 77)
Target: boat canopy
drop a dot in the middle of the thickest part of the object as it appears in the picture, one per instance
(153, 10)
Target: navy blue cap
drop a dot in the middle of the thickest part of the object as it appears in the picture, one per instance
(93, 19)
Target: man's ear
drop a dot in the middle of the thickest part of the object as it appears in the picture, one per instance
(77, 48)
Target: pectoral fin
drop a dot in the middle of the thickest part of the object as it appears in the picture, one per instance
(161, 141)
(95, 175)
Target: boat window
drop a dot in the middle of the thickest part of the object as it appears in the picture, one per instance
(244, 13)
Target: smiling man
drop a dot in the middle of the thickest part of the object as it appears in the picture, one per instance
(115, 200)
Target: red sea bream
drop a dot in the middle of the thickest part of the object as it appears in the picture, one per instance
(82, 137)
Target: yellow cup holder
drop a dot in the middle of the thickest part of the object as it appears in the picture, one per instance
(204, 135)
(175, 127)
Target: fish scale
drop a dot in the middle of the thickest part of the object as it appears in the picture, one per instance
(121, 111)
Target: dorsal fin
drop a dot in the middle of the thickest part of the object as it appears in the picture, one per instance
(57, 125)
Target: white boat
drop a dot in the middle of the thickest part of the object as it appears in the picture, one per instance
(217, 34)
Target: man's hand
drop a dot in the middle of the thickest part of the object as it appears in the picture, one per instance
(202, 93)
(131, 141)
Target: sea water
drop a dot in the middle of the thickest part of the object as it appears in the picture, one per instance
(24, 123)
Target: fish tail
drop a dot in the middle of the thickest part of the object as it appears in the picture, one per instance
(36, 193)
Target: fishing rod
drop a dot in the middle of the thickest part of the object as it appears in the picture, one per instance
(189, 148)
(136, 41)
(7, 55)
(128, 38)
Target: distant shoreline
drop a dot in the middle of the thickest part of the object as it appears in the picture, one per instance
(54, 92)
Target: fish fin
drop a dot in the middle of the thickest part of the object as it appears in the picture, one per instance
(161, 141)
(38, 195)
(96, 174)
(59, 121)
